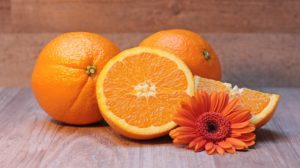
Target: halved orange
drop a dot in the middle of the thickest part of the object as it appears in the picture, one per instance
(139, 90)
(262, 105)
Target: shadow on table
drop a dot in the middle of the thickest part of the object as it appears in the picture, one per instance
(97, 124)
(158, 141)
(262, 135)
(114, 137)
(267, 135)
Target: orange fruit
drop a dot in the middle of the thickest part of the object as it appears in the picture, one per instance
(262, 105)
(64, 76)
(139, 90)
(191, 48)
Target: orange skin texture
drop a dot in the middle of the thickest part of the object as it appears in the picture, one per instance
(189, 47)
(60, 82)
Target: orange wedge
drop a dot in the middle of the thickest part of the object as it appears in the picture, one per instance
(262, 105)
(139, 90)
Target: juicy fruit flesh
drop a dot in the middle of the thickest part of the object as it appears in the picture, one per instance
(253, 100)
(144, 95)
(211, 86)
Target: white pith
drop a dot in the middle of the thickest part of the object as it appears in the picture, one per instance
(234, 90)
(145, 89)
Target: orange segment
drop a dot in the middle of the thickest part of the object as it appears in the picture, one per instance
(262, 105)
(210, 85)
(254, 100)
(139, 90)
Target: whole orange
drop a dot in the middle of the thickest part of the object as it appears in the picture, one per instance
(194, 50)
(64, 77)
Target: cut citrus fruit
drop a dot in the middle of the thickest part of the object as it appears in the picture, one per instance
(139, 90)
(262, 105)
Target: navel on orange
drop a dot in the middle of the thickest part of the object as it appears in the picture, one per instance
(64, 77)
(190, 47)
(262, 105)
(139, 90)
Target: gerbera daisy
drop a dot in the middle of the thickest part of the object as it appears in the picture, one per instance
(213, 123)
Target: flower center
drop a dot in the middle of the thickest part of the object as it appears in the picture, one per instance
(213, 126)
(145, 89)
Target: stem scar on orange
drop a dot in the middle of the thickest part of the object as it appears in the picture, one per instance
(64, 77)
(194, 50)
(140, 89)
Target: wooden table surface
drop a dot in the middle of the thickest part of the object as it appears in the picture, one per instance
(29, 138)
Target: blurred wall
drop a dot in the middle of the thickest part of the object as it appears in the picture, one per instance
(258, 41)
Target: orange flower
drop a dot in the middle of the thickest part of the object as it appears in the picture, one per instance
(213, 123)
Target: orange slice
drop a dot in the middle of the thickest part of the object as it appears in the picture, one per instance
(262, 105)
(139, 90)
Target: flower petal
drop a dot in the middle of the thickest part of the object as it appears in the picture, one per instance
(231, 106)
(199, 145)
(241, 147)
(214, 100)
(173, 133)
(240, 125)
(230, 150)
(212, 150)
(224, 144)
(186, 105)
(182, 137)
(247, 137)
(193, 143)
(185, 129)
(181, 131)
(218, 101)
(206, 101)
(235, 135)
(236, 142)
(181, 141)
(245, 130)
(239, 116)
(220, 150)
(223, 101)
(242, 118)
(209, 146)
(183, 113)
(250, 143)
(199, 106)
(186, 138)
(183, 122)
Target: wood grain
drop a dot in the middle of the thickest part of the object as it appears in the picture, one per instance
(5, 17)
(150, 15)
(257, 40)
(248, 59)
(29, 138)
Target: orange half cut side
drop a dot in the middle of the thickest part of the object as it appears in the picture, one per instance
(139, 90)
